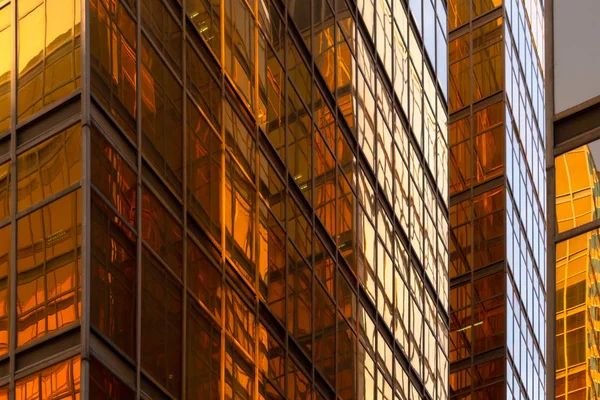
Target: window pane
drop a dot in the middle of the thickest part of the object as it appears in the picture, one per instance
(204, 173)
(49, 61)
(205, 17)
(4, 190)
(115, 179)
(104, 385)
(49, 268)
(162, 232)
(203, 87)
(49, 167)
(4, 297)
(203, 355)
(164, 31)
(161, 117)
(113, 279)
(5, 66)
(60, 381)
(161, 324)
(204, 279)
(113, 61)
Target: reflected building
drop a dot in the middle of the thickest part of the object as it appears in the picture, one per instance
(497, 200)
(577, 272)
(223, 199)
(573, 113)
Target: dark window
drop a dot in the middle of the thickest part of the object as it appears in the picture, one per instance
(113, 282)
(161, 324)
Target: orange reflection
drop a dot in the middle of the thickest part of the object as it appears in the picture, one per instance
(59, 381)
(49, 62)
(49, 268)
(49, 167)
(4, 298)
(5, 66)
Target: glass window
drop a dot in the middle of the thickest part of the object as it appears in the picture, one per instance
(240, 48)
(299, 386)
(203, 87)
(299, 304)
(49, 167)
(205, 17)
(49, 268)
(162, 231)
(576, 180)
(113, 279)
(113, 61)
(4, 297)
(113, 177)
(204, 172)
(346, 359)
(239, 374)
(161, 324)
(240, 209)
(203, 278)
(4, 190)
(325, 320)
(105, 385)
(162, 123)
(6, 58)
(203, 356)
(164, 30)
(49, 61)
(59, 381)
(272, 283)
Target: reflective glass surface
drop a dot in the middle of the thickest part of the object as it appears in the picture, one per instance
(498, 191)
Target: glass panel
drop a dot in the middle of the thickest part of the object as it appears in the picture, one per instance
(49, 268)
(204, 173)
(113, 176)
(205, 17)
(203, 357)
(576, 181)
(6, 58)
(240, 48)
(162, 123)
(164, 30)
(60, 381)
(162, 232)
(113, 279)
(49, 167)
(161, 324)
(4, 190)
(49, 61)
(113, 61)
(105, 385)
(4, 289)
(203, 87)
(204, 278)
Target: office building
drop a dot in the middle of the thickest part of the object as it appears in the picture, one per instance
(573, 159)
(497, 199)
(232, 199)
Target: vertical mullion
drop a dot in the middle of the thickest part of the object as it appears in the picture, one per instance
(222, 208)
(138, 316)
(12, 275)
(184, 198)
(86, 198)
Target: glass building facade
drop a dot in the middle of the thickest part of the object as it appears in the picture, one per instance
(497, 199)
(573, 111)
(224, 199)
(577, 257)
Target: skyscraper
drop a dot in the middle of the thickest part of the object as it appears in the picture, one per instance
(573, 108)
(497, 199)
(223, 199)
